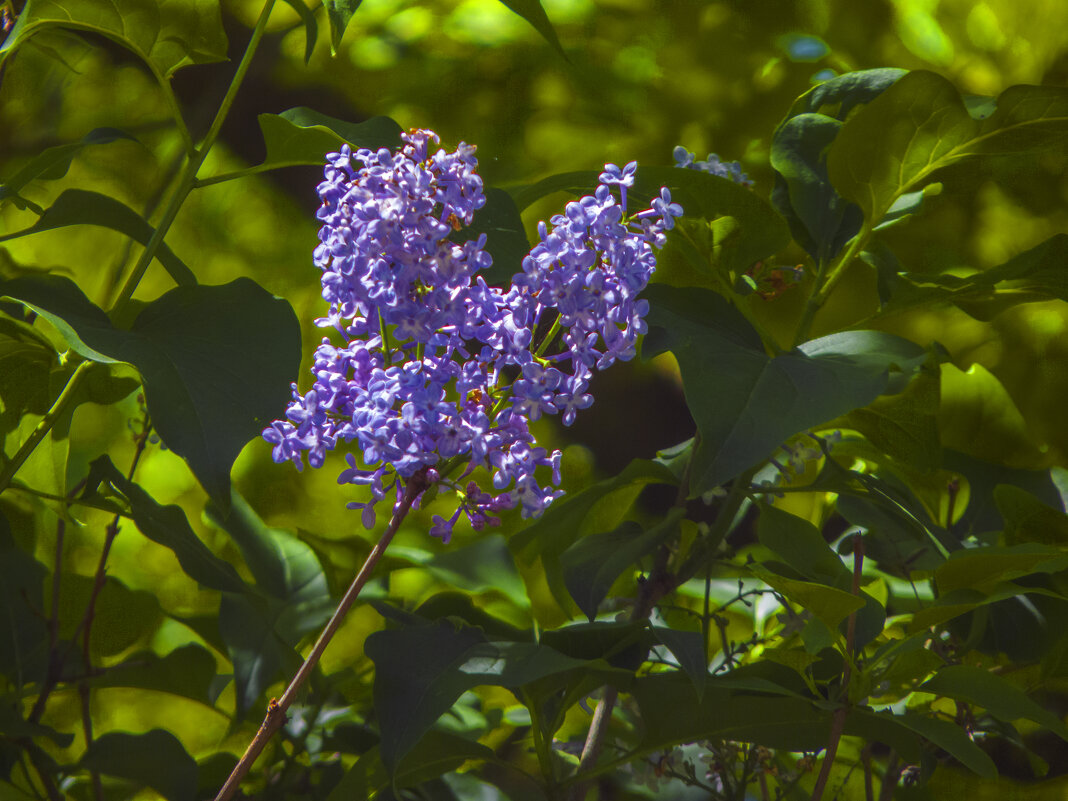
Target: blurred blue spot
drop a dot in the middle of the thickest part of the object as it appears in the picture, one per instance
(802, 47)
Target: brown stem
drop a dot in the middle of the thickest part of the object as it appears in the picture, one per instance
(890, 777)
(276, 709)
(657, 584)
(839, 718)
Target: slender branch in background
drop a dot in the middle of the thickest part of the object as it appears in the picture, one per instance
(869, 790)
(196, 160)
(657, 584)
(276, 710)
(839, 718)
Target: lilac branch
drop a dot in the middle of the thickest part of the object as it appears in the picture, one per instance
(276, 710)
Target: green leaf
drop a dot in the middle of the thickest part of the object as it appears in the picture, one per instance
(532, 12)
(746, 403)
(979, 417)
(905, 426)
(598, 507)
(506, 238)
(311, 27)
(952, 739)
(27, 360)
(248, 627)
(595, 509)
(261, 634)
(482, 566)
(166, 36)
(920, 124)
(839, 96)
(167, 526)
(23, 628)
(593, 563)
(187, 671)
(830, 605)
(339, 12)
(13, 726)
(417, 679)
(820, 219)
(79, 207)
(154, 759)
(672, 713)
(304, 136)
(997, 696)
(983, 568)
(421, 670)
(283, 566)
(121, 616)
(800, 544)
(688, 648)
(755, 230)
(436, 754)
(217, 361)
(54, 162)
(1027, 519)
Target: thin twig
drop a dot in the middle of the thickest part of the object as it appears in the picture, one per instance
(839, 718)
(276, 710)
(890, 777)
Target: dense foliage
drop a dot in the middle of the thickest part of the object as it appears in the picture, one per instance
(737, 477)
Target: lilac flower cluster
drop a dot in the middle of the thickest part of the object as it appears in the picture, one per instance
(440, 373)
(724, 169)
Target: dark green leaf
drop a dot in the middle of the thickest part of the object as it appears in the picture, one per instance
(593, 563)
(339, 12)
(506, 238)
(983, 478)
(253, 643)
(26, 364)
(186, 671)
(23, 629)
(12, 725)
(304, 136)
(800, 544)
(953, 740)
(688, 648)
(482, 566)
(283, 566)
(920, 124)
(672, 713)
(167, 526)
(746, 403)
(421, 670)
(593, 510)
(983, 568)
(840, 95)
(905, 425)
(79, 207)
(55, 161)
(830, 605)
(436, 754)
(167, 36)
(154, 759)
(121, 616)
(821, 221)
(1027, 519)
(217, 361)
(311, 27)
(996, 695)
(417, 679)
(532, 12)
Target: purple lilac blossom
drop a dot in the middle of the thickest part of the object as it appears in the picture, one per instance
(724, 169)
(419, 384)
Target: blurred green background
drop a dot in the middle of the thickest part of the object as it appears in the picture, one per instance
(639, 78)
